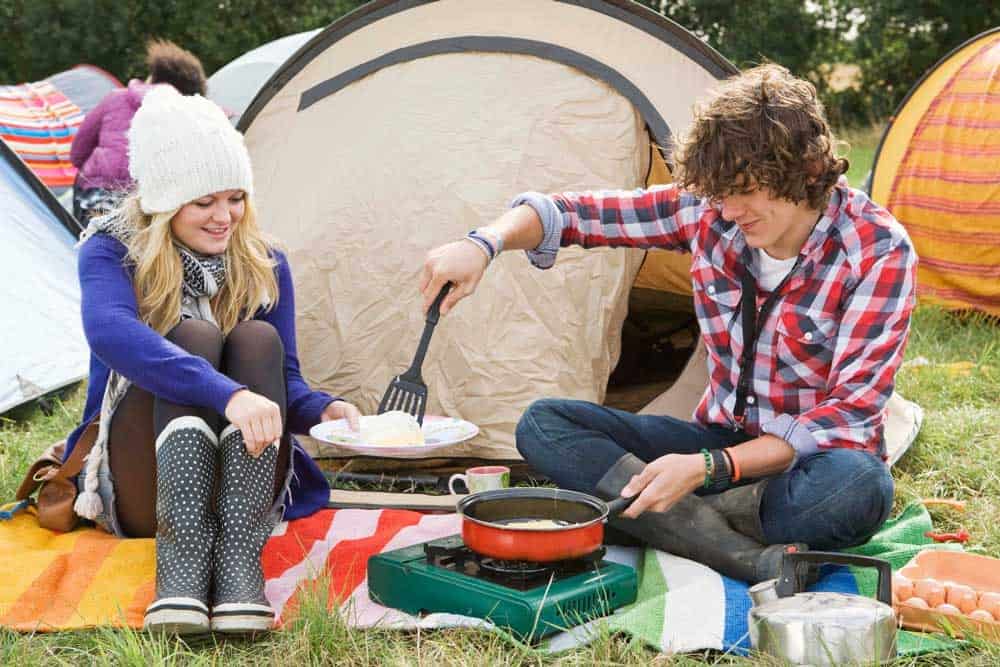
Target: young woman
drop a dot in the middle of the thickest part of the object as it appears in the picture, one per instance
(100, 146)
(194, 378)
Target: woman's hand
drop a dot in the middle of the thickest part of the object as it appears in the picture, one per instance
(459, 262)
(663, 482)
(343, 410)
(258, 417)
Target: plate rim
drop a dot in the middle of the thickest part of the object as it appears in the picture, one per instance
(369, 448)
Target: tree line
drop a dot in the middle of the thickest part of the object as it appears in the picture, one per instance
(863, 55)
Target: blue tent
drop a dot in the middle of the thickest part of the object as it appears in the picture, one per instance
(42, 339)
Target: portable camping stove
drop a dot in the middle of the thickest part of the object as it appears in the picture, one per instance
(531, 599)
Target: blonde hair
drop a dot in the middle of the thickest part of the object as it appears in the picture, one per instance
(250, 282)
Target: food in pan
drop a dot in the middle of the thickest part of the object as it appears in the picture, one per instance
(391, 428)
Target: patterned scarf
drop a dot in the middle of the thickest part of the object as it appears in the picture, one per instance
(204, 275)
(203, 278)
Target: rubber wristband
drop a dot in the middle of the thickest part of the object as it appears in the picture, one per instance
(729, 461)
(497, 239)
(481, 247)
(708, 468)
(476, 236)
(485, 242)
(722, 478)
(736, 466)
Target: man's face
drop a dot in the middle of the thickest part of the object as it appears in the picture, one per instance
(773, 224)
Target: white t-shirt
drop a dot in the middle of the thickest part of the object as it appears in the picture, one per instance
(771, 271)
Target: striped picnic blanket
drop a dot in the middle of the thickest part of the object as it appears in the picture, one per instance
(685, 606)
(87, 578)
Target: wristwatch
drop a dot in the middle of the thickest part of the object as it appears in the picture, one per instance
(721, 476)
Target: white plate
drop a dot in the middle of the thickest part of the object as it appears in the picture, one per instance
(438, 432)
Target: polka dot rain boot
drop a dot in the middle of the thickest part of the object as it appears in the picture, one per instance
(245, 496)
(186, 460)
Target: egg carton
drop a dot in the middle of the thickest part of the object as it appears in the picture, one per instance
(966, 582)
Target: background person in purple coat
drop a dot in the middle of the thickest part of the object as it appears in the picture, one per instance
(189, 312)
(100, 146)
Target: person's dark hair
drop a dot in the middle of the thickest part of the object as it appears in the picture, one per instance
(762, 128)
(169, 63)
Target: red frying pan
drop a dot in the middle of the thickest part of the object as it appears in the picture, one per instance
(497, 523)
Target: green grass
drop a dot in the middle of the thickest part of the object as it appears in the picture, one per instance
(860, 152)
(959, 444)
(25, 432)
(954, 456)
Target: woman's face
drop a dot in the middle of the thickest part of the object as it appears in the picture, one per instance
(206, 224)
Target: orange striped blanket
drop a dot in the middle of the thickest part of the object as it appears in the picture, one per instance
(87, 578)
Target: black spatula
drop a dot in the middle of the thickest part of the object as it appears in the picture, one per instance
(408, 391)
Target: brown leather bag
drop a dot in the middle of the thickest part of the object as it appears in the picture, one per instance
(54, 480)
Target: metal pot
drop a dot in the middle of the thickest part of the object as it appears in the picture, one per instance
(822, 628)
(490, 523)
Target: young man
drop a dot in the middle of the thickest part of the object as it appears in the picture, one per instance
(803, 289)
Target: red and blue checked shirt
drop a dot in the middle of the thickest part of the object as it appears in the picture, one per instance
(828, 352)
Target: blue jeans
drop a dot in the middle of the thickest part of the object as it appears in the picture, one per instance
(834, 499)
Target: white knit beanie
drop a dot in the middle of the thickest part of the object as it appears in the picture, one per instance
(181, 148)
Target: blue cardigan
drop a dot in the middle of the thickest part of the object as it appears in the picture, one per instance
(118, 339)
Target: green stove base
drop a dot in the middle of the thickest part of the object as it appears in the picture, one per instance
(532, 608)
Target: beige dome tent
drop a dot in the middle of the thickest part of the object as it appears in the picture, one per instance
(404, 125)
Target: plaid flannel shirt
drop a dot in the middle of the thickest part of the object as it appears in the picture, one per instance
(827, 355)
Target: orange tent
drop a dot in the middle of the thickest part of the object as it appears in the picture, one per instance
(936, 170)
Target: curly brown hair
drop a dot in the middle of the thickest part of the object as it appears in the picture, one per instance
(763, 128)
(169, 63)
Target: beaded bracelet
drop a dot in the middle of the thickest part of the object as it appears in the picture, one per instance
(708, 467)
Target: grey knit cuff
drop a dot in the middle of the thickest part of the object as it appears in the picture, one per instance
(795, 434)
(544, 255)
